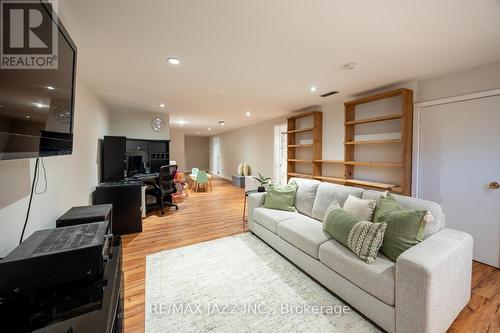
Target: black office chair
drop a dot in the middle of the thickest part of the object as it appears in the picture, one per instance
(165, 188)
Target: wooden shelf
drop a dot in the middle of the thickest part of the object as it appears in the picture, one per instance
(373, 142)
(299, 160)
(329, 161)
(309, 129)
(374, 119)
(370, 184)
(377, 97)
(375, 164)
(405, 114)
(300, 175)
(301, 115)
(330, 179)
(300, 146)
(315, 144)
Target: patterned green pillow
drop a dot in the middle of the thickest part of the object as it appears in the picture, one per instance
(281, 197)
(363, 238)
(405, 228)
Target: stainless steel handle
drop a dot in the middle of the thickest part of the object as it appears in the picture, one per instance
(494, 185)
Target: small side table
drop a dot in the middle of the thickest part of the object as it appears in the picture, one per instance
(245, 206)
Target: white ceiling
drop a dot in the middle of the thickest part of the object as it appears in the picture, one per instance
(262, 56)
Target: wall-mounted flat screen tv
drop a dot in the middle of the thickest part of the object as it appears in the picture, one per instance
(36, 103)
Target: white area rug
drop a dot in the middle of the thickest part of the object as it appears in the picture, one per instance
(239, 284)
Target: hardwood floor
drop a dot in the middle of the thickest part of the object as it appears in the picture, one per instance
(214, 214)
(202, 216)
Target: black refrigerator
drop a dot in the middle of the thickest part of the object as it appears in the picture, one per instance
(126, 200)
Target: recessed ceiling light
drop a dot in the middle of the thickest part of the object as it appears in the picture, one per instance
(210, 128)
(50, 88)
(313, 89)
(349, 66)
(181, 122)
(221, 122)
(248, 114)
(173, 61)
(39, 105)
(28, 117)
(162, 105)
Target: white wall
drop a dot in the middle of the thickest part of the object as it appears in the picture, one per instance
(468, 81)
(70, 179)
(137, 125)
(253, 145)
(177, 152)
(196, 152)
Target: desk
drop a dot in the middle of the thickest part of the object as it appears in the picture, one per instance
(147, 179)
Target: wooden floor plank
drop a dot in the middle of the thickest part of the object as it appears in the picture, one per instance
(201, 217)
(215, 214)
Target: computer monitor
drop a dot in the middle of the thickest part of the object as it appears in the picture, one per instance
(134, 165)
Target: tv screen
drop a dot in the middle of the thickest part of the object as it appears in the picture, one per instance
(36, 100)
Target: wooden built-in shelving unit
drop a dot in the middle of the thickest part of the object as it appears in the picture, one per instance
(349, 163)
(316, 136)
(350, 144)
(371, 142)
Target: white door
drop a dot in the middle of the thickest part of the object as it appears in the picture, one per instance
(280, 154)
(458, 163)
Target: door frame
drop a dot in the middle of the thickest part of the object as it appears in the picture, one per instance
(417, 117)
(216, 155)
(277, 147)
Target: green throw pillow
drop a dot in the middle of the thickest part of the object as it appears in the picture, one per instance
(281, 197)
(363, 238)
(405, 228)
(338, 223)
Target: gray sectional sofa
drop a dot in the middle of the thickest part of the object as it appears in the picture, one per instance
(423, 291)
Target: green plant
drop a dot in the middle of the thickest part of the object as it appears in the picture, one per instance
(262, 180)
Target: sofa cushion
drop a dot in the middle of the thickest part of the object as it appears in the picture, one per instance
(410, 203)
(306, 192)
(328, 193)
(377, 278)
(304, 233)
(269, 218)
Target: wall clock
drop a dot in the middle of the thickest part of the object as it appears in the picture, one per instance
(158, 124)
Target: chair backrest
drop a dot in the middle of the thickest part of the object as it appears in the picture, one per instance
(167, 175)
(194, 171)
(201, 177)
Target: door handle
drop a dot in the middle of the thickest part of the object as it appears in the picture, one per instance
(494, 185)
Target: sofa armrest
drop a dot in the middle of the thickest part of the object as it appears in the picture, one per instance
(433, 282)
(254, 200)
